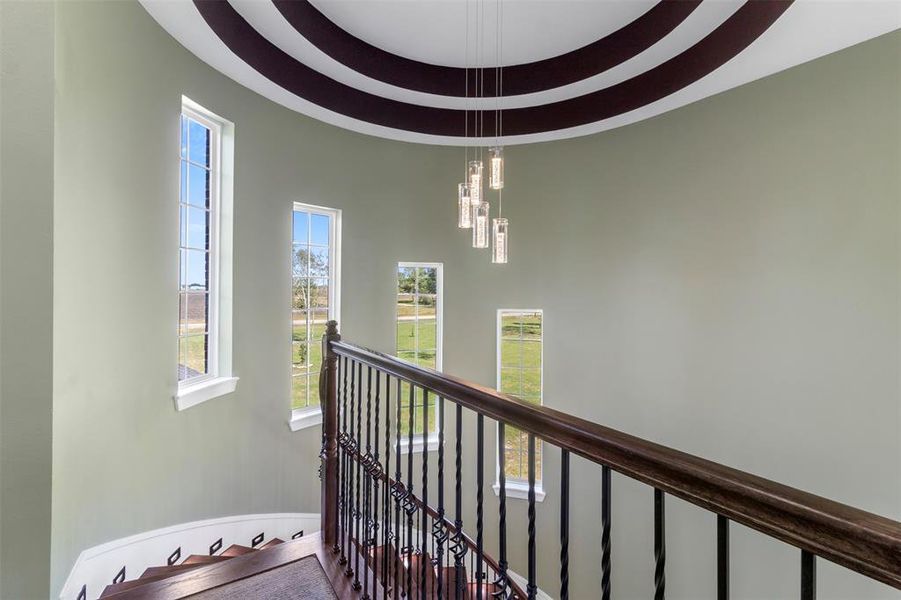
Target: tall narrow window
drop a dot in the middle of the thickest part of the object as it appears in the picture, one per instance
(204, 320)
(419, 330)
(316, 233)
(519, 373)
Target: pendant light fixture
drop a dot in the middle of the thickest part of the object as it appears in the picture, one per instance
(480, 225)
(464, 206)
(473, 208)
(496, 160)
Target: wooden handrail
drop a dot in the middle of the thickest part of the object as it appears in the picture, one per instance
(864, 542)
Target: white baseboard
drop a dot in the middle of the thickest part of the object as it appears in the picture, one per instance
(97, 566)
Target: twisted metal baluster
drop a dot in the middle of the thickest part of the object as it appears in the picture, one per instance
(399, 494)
(532, 587)
(480, 483)
(564, 525)
(386, 509)
(342, 440)
(410, 506)
(366, 463)
(374, 472)
(659, 546)
(440, 533)
(605, 532)
(458, 545)
(336, 548)
(502, 583)
(351, 461)
(359, 440)
(377, 473)
(424, 523)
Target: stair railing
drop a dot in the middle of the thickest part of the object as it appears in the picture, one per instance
(861, 541)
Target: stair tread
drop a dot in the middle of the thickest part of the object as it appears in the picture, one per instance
(237, 550)
(450, 582)
(487, 590)
(202, 559)
(271, 543)
(115, 588)
(170, 569)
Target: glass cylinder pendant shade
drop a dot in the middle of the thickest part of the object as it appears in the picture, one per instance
(474, 179)
(499, 241)
(480, 225)
(496, 168)
(464, 206)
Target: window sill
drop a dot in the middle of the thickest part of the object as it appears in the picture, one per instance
(520, 490)
(302, 418)
(193, 395)
(431, 444)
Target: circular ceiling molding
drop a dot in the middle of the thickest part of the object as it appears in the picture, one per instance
(722, 44)
(576, 65)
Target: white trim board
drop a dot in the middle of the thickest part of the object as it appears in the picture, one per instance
(96, 566)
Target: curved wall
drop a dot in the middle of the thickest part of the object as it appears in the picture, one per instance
(723, 279)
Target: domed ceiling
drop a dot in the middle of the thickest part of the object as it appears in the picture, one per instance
(413, 70)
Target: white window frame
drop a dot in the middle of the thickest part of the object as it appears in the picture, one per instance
(517, 488)
(311, 416)
(429, 444)
(218, 380)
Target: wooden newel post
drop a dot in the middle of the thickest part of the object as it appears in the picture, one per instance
(328, 387)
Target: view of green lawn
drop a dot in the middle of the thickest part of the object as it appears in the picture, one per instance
(306, 358)
(192, 352)
(521, 377)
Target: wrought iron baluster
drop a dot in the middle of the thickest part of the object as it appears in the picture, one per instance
(386, 507)
(722, 558)
(808, 576)
(532, 587)
(424, 522)
(458, 546)
(564, 525)
(502, 583)
(659, 545)
(606, 523)
(351, 461)
(366, 463)
(398, 493)
(337, 546)
(410, 506)
(480, 484)
(376, 475)
(441, 532)
(342, 518)
(357, 523)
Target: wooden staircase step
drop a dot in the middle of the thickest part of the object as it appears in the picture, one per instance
(450, 582)
(416, 563)
(203, 559)
(168, 570)
(237, 550)
(195, 561)
(115, 588)
(389, 554)
(271, 543)
(487, 590)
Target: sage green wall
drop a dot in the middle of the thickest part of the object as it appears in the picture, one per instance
(723, 279)
(26, 220)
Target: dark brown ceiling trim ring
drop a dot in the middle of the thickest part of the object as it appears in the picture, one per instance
(718, 47)
(526, 78)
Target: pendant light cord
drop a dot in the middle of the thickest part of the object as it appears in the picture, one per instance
(466, 100)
